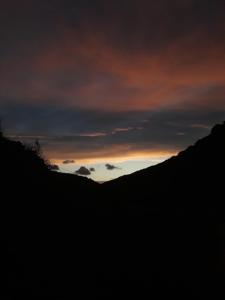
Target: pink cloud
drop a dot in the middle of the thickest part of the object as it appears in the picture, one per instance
(179, 75)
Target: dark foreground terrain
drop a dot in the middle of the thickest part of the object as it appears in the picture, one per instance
(159, 232)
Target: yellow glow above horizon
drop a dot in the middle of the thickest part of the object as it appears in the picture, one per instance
(135, 156)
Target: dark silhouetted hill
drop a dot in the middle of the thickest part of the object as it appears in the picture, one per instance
(159, 232)
(196, 171)
(23, 166)
(175, 220)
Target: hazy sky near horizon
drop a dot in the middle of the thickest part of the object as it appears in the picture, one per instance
(120, 82)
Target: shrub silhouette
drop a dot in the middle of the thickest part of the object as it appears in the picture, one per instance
(22, 157)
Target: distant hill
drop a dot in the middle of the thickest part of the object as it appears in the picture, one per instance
(159, 232)
(188, 178)
(24, 165)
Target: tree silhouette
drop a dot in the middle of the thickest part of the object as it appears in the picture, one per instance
(37, 147)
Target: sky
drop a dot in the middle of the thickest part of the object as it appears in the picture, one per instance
(120, 83)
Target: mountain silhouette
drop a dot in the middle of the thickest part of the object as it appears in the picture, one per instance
(159, 232)
(197, 170)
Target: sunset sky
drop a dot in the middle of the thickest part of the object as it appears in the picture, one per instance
(113, 85)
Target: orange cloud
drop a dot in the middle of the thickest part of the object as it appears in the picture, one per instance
(92, 134)
(114, 154)
(91, 73)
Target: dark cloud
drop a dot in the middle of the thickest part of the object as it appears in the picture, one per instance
(92, 169)
(111, 167)
(148, 130)
(124, 21)
(54, 168)
(68, 161)
(83, 171)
